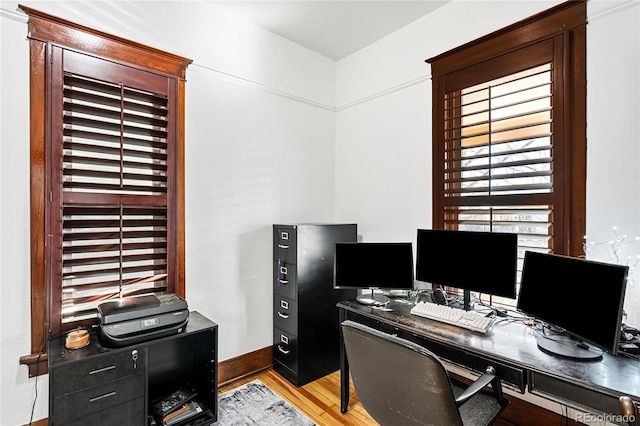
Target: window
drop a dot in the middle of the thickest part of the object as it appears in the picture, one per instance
(110, 217)
(107, 149)
(509, 133)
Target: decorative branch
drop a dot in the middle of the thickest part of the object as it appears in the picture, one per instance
(617, 251)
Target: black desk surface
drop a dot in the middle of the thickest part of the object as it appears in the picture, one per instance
(514, 343)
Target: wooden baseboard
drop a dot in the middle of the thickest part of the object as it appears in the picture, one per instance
(244, 365)
(43, 422)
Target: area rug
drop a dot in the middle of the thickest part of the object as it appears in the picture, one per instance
(255, 404)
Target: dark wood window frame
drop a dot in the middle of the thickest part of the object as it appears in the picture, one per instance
(563, 27)
(44, 33)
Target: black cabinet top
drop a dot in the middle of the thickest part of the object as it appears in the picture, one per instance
(58, 354)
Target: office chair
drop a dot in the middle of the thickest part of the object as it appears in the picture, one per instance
(629, 410)
(400, 383)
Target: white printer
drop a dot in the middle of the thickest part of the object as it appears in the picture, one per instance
(135, 319)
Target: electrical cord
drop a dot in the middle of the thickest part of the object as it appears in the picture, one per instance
(545, 330)
(35, 398)
(507, 315)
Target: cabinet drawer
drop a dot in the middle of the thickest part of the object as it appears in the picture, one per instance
(509, 373)
(129, 413)
(284, 245)
(285, 314)
(285, 348)
(84, 402)
(577, 396)
(97, 370)
(284, 279)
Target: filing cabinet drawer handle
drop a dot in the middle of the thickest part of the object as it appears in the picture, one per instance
(102, 370)
(281, 315)
(282, 246)
(284, 351)
(106, 395)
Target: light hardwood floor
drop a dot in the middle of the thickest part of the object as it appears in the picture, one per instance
(318, 400)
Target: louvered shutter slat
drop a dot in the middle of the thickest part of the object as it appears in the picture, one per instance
(115, 153)
(497, 137)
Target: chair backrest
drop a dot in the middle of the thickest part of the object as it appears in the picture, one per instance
(398, 382)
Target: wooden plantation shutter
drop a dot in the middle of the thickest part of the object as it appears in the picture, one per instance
(498, 162)
(509, 133)
(112, 154)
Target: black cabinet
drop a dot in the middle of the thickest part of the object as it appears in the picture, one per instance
(305, 317)
(97, 385)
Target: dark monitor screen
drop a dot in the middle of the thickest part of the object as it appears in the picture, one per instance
(485, 262)
(581, 296)
(387, 266)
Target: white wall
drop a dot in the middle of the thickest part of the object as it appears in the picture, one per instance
(15, 328)
(260, 135)
(613, 134)
(383, 172)
(383, 131)
(383, 119)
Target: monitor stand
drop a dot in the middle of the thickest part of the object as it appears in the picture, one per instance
(566, 346)
(373, 299)
(466, 304)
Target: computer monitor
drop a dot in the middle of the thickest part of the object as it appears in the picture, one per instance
(485, 262)
(373, 265)
(584, 298)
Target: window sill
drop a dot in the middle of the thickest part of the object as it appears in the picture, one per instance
(38, 364)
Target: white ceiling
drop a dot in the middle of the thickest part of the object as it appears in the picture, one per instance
(333, 28)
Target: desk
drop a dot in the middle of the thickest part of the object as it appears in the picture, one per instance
(510, 347)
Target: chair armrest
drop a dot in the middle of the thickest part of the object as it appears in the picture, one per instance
(475, 387)
(628, 409)
(488, 378)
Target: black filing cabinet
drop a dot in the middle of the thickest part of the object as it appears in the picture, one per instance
(305, 317)
(96, 385)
